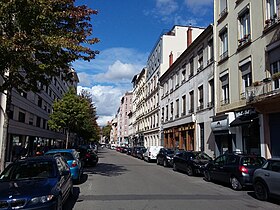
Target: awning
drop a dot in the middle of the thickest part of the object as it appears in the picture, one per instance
(243, 120)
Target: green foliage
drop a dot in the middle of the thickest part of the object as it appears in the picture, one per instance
(73, 113)
(41, 38)
(106, 131)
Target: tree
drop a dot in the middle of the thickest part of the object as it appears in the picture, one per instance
(72, 113)
(106, 131)
(41, 38)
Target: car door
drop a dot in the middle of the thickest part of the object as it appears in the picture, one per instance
(217, 169)
(63, 179)
(272, 176)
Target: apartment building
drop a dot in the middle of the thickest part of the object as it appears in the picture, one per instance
(114, 131)
(29, 114)
(168, 48)
(246, 33)
(138, 108)
(187, 97)
(123, 118)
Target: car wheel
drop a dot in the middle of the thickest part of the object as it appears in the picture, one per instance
(165, 163)
(157, 161)
(174, 167)
(71, 193)
(59, 203)
(235, 184)
(261, 191)
(149, 160)
(190, 171)
(207, 176)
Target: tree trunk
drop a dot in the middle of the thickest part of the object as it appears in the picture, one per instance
(67, 138)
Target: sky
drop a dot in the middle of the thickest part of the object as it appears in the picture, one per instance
(128, 31)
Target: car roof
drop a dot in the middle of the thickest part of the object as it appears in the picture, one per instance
(37, 158)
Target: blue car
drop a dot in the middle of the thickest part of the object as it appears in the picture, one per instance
(72, 158)
(37, 183)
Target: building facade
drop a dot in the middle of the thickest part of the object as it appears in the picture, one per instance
(246, 33)
(187, 97)
(29, 114)
(123, 118)
(138, 107)
(167, 49)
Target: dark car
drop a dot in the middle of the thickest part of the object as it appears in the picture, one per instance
(123, 149)
(236, 169)
(191, 162)
(140, 153)
(129, 151)
(88, 156)
(266, 180)
(165, 157)
(135, 150)
(42, 183)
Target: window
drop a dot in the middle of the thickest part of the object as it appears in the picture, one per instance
(246, 78)
(40, 101)
(31, 116)
(225, 89)
(224, 44)
(184, 105)
(200, 99)
(166, 113)
(23, 94)
(244, 27)
(223, 7)
(275, 70)
(200, 61)
(38, 122)
(183, 75)
(211, 93)
(162, 114)
(210, 51)
(191, 94)
(177, 108)
(171, 110)
(21, 116)
(272, 11)
(191, 67)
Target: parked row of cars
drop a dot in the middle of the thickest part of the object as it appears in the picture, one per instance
(44, 182)
(236, 169)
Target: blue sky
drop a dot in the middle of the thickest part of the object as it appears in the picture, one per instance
(128, 30)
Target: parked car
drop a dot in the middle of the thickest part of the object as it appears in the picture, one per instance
(135, 150)
(87, 156)
(266, 180)
(165, 157)
(151, 153)
(129, 151)
(39, 183)
(236, 169)
(72, 158)
(140, 153)
(191, 162)
(123, 149)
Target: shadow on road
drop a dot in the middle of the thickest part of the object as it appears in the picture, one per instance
(106, 169)
(71, 201)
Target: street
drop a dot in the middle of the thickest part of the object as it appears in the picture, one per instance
(123, 182)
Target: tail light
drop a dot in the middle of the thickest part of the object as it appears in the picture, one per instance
(88, 155)
(243, 169)
(74, 164)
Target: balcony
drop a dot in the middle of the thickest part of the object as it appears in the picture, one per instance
(262, 90)
(271, 21)
(199, 108)
(210, 104)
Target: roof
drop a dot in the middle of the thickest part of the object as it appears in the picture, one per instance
(60, 150)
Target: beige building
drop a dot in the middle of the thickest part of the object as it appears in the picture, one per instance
(138, 108)
(187, 97)
(246, 33)
(167, 49)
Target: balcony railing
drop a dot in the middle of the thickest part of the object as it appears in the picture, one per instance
(261, 90)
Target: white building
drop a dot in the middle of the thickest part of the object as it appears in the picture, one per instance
(187, 97)
(167, 49)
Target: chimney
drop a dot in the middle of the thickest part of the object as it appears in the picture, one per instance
(170, 58)
(189, 36)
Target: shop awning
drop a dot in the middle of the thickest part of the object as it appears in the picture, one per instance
(243, 120)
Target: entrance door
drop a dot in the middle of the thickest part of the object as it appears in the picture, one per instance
(274, 124)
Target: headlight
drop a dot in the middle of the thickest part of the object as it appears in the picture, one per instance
(168, 157)
(42, 199)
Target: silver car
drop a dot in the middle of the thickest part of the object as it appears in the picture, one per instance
(266, 181)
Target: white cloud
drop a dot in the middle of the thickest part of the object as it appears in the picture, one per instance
(106, 99)
(166, 7)
(200, 6)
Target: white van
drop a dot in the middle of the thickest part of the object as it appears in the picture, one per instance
(151, 153)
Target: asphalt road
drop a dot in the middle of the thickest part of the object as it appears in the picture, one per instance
(121, 182)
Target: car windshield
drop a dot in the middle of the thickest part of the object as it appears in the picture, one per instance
(252, 161)
(202, 156)
(169, 152)
(29, 170)
(67, 155)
